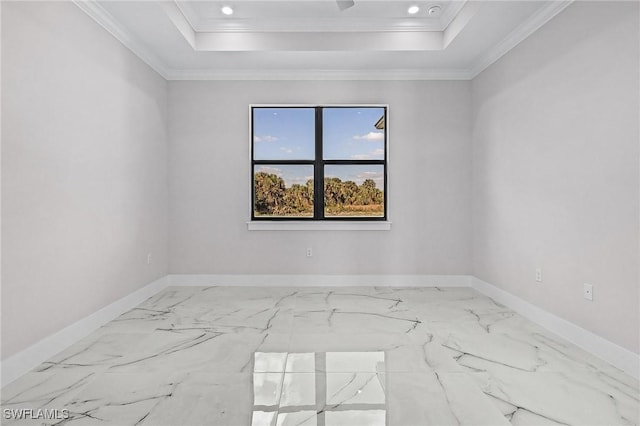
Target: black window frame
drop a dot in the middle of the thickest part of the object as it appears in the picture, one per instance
(318, 164)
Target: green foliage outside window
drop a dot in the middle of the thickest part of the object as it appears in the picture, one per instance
(341, 198)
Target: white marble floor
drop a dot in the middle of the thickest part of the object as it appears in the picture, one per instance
(323, 357)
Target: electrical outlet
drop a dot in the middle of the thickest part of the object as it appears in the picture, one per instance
(588, 292)
(539, 275)
(309, 252)
(149, 259)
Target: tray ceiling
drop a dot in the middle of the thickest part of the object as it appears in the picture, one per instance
(310, 39)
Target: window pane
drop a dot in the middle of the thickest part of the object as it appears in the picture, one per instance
(353, 133)
(283, 190)
(354, 190)
(283, 133)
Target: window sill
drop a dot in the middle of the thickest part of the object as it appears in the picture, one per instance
(318, 226)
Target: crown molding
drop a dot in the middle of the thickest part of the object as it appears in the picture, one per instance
(324, 74)
(182, 23)
(107, 21)
(518, 35)
(187, 11)
(103, 18)
(450, 13)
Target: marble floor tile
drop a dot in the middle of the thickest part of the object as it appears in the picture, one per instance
(355, 418)
(324, 357)
(564, 398)
(125, 399)
(95, 353)
(298, 390)
(356, 320)
(206, 399)
(429, 295)
(190, 350)
(346, 342)
(355, 388)
(42, 391)
(300, 418)
(421, 358)
(481, 310)
(439, 399)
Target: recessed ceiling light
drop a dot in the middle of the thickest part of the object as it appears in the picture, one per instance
(413, 10)
(434, 10)
(227, 10)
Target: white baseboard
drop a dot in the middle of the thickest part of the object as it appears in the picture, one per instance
(321, 280)
(24, 361)
(615, 355)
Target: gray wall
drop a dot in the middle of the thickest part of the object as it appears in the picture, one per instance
(555, 169)
(84, 170)
(540, 151)
(429, 172)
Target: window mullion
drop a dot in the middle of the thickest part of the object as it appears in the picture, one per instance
(318, 186)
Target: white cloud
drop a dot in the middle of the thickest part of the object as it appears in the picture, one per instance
(376, 154)
(286, 150)
(299, 180)
(270, 170)
(370, 175)
(371, 136)
(266, 138)
(377, 177)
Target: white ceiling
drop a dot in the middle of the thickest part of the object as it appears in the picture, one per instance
(309, 39)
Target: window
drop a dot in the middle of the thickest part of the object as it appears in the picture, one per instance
(319, 162)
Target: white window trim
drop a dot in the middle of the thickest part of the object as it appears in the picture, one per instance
(325, 225)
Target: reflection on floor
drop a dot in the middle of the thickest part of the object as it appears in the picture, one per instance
(319, 388)
(322, 356)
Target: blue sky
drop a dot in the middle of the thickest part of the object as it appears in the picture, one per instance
(283, 133)
(348, 134)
